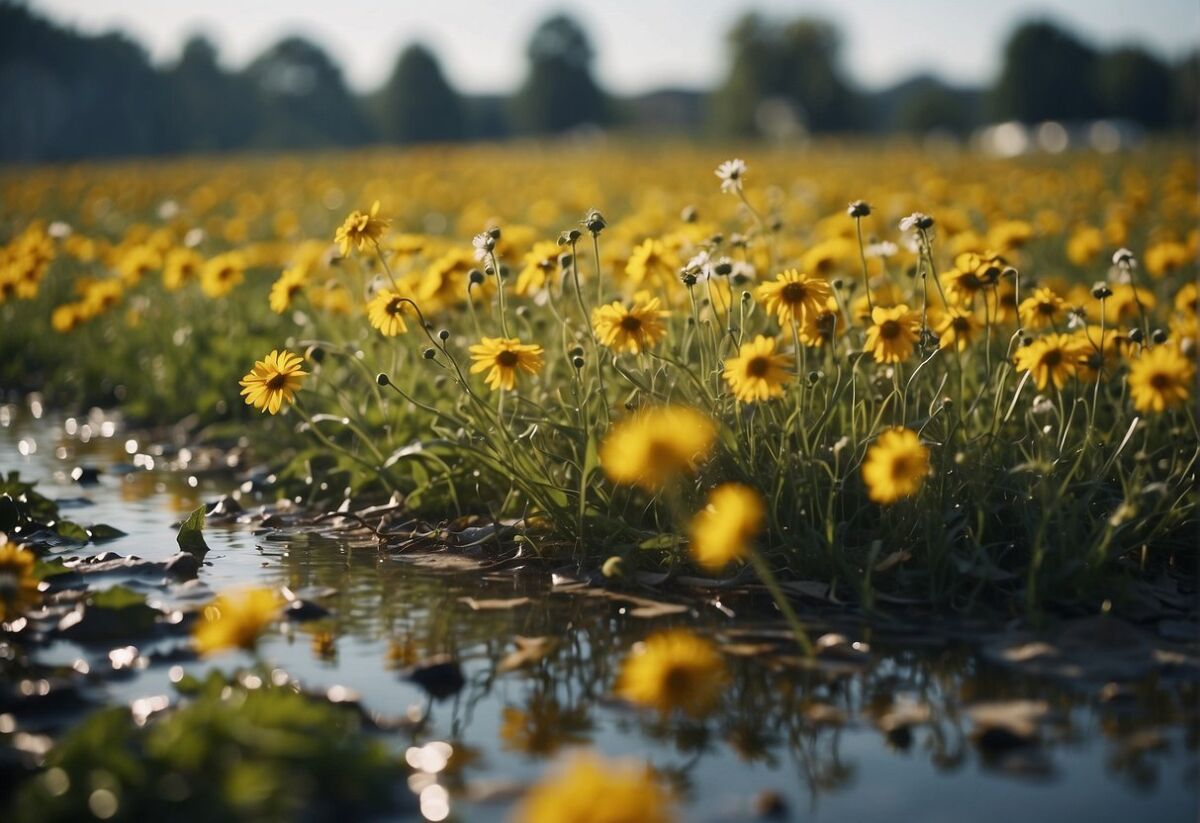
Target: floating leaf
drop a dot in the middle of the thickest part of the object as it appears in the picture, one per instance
(117, 597)
(71, 531)
(494, 605)
(191, 533)
(102, 531)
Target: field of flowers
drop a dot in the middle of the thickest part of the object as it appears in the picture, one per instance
(950, 378)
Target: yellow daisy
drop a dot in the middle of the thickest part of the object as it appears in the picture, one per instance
(1052, 359)
(386, 312)
(235, 620)
(631, 329)
(757, 373)
(359, 229)
(673, 670)
(896, 466)
(590, 789)
(893, 333)
(1160, 378)
(793, 296)
(273, 381)
(724, 529)
(656, 445)
(502, 357)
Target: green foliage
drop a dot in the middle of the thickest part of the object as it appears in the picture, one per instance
(229, 752)
(191, 533)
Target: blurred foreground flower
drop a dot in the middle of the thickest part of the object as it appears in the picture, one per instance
(723, 530)
(673, 670)
(732, 173)
(273, 381)
(656, 445)
(590, 789)
(18, 585)
(235, 620)
(896, 466)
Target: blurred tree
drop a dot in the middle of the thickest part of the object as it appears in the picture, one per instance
(794, 63)
(559, 92)
(1185, 93)
(213, 109)
(1134, 85)
(1046, 74)
(924, 104)
(418, 105)
(303, 101)
(67, 96)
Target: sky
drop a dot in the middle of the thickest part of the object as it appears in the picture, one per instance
(640, 44)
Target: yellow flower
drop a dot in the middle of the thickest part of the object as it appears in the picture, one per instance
(18, 585)
(1041, 310)
(181, 267)
(590, 789)
(235, 620)
(893, 333)
(1084, 245)
(290, 283)
(540, 262)
(630, 329)
(672, 670)
(501, 357)
(725, 528)
(655, 445)
(956, 328)
(386, 312)
(1165, 257)
(1122, 306)
(793, 296)
(222, 274)
(359, 229)
(66, 317)
(1186, 300)
(1052, 359)
(1160, 378)
(757, 373)
(896, 466)
(652, 261)
(273, 382)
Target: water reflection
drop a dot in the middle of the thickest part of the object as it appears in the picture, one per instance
(919, 722)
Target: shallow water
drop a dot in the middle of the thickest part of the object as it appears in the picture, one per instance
(1134, 759)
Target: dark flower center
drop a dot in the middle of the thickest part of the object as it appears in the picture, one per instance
(393, 306)
(758, 366)
(890, 330)
(794, 293)
(507, 359)
(277, 381)
(1160, 381)
(631, 323)
(1052, 358)
(1046, 308)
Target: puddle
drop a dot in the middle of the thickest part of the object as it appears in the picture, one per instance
(920, 728)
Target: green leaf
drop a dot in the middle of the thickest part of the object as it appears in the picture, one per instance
(71, 531)
(191, 533)
(118, 597)
(102, 531)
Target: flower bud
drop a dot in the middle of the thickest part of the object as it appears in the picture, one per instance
(382, 379)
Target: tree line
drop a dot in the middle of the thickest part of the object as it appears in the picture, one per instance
(66, 95)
